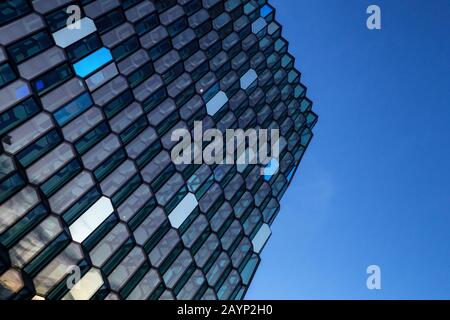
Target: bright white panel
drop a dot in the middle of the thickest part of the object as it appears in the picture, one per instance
(216, 103)
(183, 210)
(248, 78)
(261, 238)
(65, 37)
(91, 219)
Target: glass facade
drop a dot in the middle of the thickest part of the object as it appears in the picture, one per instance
(87, 182)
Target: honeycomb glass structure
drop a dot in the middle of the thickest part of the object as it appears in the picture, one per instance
(87, 184)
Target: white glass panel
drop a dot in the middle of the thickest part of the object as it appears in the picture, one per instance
(91, 219)
(248, 78)
(65, 37)
(217, 102)
(183, 210)
(261, 237)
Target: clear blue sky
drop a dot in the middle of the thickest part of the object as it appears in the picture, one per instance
(374, 185)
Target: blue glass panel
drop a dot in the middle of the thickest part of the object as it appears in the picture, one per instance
(40, 85)
(265, 11)
(73, 109)
(22, 92)
(92, 62)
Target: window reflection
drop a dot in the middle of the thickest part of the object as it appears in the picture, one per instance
(56, 270)
(35, 241)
